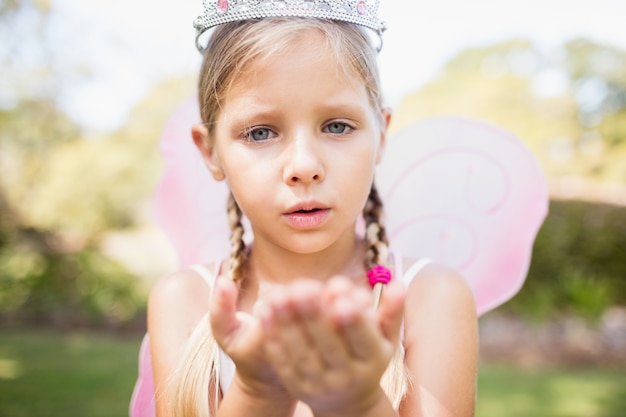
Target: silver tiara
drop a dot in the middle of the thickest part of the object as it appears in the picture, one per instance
(217, 12)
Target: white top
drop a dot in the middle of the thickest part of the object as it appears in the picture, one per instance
(227, 366)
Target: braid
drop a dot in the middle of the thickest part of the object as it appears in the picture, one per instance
(237, 259)
(378, 245)
(395, 381)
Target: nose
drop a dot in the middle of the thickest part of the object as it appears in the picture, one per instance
(304, 163)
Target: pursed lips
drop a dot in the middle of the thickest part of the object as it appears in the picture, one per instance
(308, 215)
(306, 207)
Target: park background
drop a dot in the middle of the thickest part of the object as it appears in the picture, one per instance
(87, 86)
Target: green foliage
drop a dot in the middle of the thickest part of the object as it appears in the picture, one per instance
(59, 193)
(585, 59)
(569, 107)
(59, 181)
(41, 281)
(599, 82)
(578, 262)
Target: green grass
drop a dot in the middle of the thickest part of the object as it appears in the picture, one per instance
(512, 392)
(50, 374)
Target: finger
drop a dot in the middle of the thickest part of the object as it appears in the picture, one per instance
(286, 328)
(391, 310)
(336, 287)
(305, 296)
(223, 311)
(359, 328)
(278, 355)
(348, 307)
(322, 332)
(292, 345)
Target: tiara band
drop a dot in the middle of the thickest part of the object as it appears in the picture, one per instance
(217, 12)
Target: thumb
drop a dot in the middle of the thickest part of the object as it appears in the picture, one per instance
(390, 310)
(223, 311)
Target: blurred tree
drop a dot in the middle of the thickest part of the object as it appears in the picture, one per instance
(598, 74)
(58, 180)
(43, 280)
(29, 133)
(569, 107)
(60, 191)
(577, 264)
(59, 194)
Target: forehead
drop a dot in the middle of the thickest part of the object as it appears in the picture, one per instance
(310, 52)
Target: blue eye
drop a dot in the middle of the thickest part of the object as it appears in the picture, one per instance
(337, 128)
(259, 134)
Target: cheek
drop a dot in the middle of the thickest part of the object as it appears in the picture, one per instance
(362, 159)
(357, 173)
(249, 181)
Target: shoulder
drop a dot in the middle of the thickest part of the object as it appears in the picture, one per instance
(185, 285)
(435, 280)
(440, 296)
(179, 300)
(176, 304)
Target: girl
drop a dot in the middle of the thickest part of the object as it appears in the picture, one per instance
(293, 121)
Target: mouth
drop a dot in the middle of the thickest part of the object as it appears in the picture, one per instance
(306, 208)
(307, 216)
(307, 211)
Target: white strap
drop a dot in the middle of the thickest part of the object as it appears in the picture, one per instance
(204, 272)
(414, 270)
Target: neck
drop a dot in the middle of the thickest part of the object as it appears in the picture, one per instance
(276, 265)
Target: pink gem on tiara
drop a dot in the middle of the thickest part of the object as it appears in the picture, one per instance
(361, 7)
(222, 6)
(379, 274)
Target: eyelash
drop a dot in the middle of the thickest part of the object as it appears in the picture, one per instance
(347, 128)
(248, 134)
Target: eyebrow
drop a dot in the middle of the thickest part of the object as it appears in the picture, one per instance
(260, 109)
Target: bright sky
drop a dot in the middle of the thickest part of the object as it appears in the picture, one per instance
(128, 45)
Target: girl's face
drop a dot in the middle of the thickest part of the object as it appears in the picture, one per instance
(297, 140)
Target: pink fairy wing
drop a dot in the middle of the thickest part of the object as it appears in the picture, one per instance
(468, 195)
(190, 205)
(142, 401)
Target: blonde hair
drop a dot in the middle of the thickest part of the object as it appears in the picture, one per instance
(233, 49)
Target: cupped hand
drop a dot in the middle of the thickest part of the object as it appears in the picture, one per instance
(328, 346)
